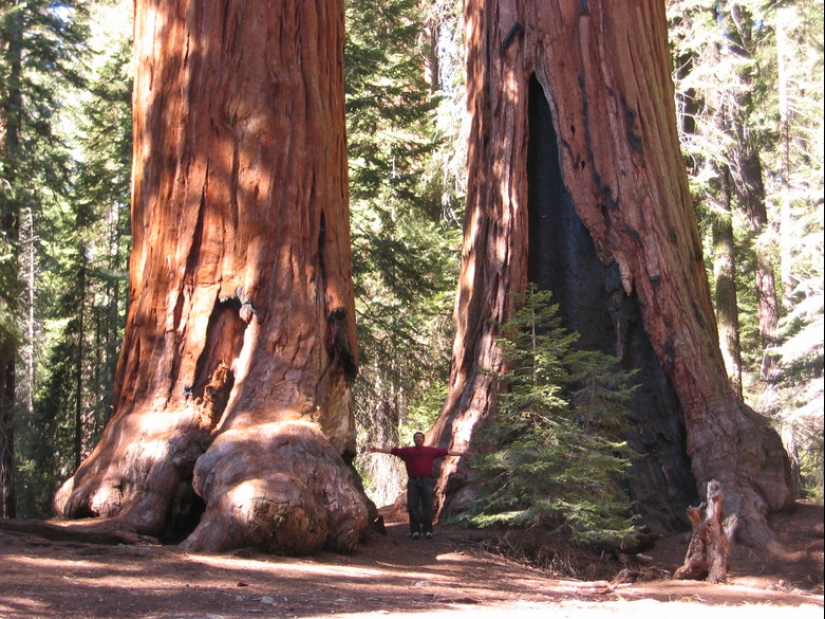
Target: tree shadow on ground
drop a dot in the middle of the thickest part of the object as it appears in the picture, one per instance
(387, 575)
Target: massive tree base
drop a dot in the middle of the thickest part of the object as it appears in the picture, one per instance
(280, 487)
(284, 490)
(233, 393)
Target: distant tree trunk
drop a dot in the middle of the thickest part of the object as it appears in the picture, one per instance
(81, 336)
(783, 18)
(750, 191)
(576, 181)
(746, 167)
(235, 376)
(10, 117)
(31, 274)
(7, 490)
(432, 33)
(724, 275)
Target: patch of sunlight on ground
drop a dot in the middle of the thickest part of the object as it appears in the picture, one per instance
(641, 609)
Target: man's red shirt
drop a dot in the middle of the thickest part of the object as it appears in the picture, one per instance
(419, 460)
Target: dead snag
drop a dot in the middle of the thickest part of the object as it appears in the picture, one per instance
(709, 548)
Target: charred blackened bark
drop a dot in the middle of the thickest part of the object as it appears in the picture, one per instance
(563, 259)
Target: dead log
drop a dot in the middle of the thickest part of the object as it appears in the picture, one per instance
(88, 531)
(713, 534)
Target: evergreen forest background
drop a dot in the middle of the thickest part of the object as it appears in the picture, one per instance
(749, 87)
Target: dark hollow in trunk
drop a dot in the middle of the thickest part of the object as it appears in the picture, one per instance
(562, 258)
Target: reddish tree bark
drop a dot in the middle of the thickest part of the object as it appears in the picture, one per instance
(602, 70)
(710, 544)
(239, 351)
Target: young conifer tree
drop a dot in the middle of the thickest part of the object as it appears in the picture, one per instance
(554, 457)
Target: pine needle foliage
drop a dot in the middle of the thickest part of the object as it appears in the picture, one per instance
(749, 81)
(405, 252)
(42, 45)
(80, 256)
(553, 457)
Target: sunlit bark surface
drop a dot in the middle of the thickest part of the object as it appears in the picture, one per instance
(604, 70)
(233, 388)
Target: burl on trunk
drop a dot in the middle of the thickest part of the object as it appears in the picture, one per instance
(233, 413)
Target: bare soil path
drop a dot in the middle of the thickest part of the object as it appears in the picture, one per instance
(392, 575)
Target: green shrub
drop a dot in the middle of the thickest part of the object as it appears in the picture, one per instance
(552, 456)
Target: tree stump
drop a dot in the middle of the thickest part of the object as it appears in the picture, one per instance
(713, 534)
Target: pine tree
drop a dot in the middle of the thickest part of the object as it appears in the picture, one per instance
(83, 290)
(40, 42)
(553, 456)
(50, 438)
(103, 191)
(749, 75)
(797, 398)
(403, 245)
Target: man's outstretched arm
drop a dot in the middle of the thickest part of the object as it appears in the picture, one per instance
(380, 450)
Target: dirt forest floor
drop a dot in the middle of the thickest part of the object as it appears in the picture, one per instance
(450, 576)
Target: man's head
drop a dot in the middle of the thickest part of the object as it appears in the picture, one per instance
(418, 439)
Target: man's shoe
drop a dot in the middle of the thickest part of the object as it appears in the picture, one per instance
(428, 535)
(415, 536)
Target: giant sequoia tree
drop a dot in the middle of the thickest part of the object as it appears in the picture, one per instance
(232, 407)
(576, 183)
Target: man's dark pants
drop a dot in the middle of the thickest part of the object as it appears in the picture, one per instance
(420, 504)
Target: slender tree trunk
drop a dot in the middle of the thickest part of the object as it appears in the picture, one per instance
(601, 71)
(724, 274)
(10, 212)
(750, 192)
(432, 32)
(783, 17)
(8, 368)
(749, 185)
(7, 490)
(239, 355)
(81, 338)
(31, 324)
